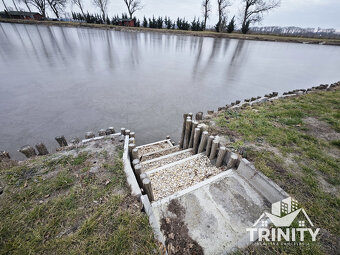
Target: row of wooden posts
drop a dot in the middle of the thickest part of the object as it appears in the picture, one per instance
(40, 148)
(193, 136)
(143, 180)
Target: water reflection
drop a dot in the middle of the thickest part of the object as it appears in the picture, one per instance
(239, 57)
(65, 81)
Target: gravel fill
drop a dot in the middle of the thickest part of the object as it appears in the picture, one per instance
(160, 154)
(162, 162)
(153, 148)
(171, 180)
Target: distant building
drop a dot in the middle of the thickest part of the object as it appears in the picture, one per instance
(126, 22)
(21, 15)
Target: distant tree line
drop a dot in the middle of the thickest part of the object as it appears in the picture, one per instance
(99, 19)
(251, 12)
(296, 31)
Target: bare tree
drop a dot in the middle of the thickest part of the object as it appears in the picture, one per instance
(254, 9)
(26, 2)
(133, 6)
(3, 2)
(57, 6)
(79, 3)
(102, 5)
(206, 6)
(222, 13)
(15, 5)
(40, 5)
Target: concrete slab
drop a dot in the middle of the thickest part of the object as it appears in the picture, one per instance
(215, 214)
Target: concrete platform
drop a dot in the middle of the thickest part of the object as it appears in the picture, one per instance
(215, 213)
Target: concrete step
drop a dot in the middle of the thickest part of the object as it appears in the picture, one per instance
(216, 211)
(159, 153)
(166, 159)
(151, 148)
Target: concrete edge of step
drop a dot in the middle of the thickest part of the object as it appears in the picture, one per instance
(152, 220)
(130, 176)
(264, 185)
(154, 143)
(166, 156)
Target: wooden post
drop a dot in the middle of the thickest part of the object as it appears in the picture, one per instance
(148, 189)
(138, 172)
(142, 177)
(197, 136)
(200, 126)
(135, 162)
(41, 148)
(134, 153)
(232, 160)
(203, 142)
(213, 149)
(61, 140)
(131, 140)
(89, 135)
(167, 137)
(122, 131)
(187, 133)
(193, 126)
(28, 151)
(220, 156)
(4, 155)
(133, 134)
(199, 116)
(181, 142)
(102, 132)
(131, 147)
(209, 143)
(110, 131)
(127, 132)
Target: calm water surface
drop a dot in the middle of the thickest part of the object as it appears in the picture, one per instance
(66, 81)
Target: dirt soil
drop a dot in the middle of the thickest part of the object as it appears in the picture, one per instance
(178, 241)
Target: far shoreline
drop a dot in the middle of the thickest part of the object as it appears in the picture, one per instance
(251, 37)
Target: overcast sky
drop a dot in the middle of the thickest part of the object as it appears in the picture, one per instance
(303, 13)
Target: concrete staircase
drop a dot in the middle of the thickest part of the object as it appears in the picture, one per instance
(171, 169)
(215, 204)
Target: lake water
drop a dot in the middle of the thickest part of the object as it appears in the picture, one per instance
(66, 81)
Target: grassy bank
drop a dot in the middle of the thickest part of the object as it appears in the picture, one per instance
(296, 142)
(72, 202)
(257, 37)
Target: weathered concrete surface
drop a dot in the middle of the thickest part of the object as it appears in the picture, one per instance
(268, 189)
(216, 212)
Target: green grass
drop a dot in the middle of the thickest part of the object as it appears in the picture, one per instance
(282, 146)
(54, 206)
